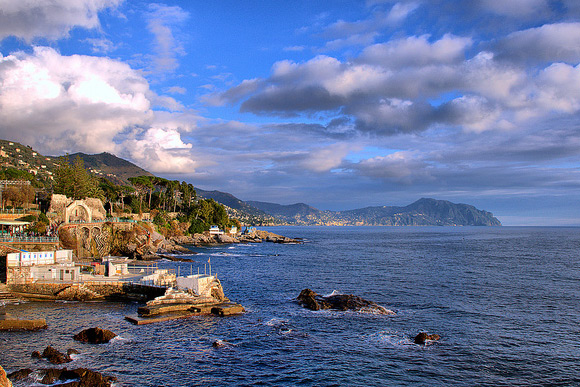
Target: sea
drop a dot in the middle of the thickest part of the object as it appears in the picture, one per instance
(505, 301)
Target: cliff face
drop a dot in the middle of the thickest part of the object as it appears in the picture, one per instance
(117, 239)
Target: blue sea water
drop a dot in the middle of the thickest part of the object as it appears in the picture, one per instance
(505, 301)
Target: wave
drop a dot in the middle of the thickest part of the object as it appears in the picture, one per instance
(395, 338)
(334, 293)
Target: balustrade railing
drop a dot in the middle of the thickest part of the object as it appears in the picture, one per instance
(28, 239)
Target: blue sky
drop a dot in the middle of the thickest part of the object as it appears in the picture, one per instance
(341, 104)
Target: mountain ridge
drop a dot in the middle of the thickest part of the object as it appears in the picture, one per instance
(423, 212)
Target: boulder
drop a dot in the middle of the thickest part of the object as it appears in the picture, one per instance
(51, 375)
(4, 381)
(19, 375)
(220, 343)
(313, 301)
(54, 356)
(81, 377)
(89, 378)
(224, 238)
(72, 351)
(422, 337)
(307, 298)
(94, 336)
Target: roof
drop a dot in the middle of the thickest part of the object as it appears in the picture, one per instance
(13, 223)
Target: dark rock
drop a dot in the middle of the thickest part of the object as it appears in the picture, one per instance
(422, 337)
(80, 377)
(90, 378)
(36, 355)
(51, 375)
(309, 299)
(94, 336)
(219, 343)
(72, 351)
(54, 356)
(20, 374)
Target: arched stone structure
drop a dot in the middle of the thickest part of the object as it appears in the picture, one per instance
(78, 211)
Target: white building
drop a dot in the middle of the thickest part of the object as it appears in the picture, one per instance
(200, 284)
(215, 230)
(42, 265)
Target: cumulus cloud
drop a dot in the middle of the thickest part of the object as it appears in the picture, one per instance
(59, 103)
(30, 19)
(76, 99)
(160, 150)
(417, 51)
(558, 42)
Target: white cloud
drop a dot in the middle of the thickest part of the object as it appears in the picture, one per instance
(550, 42)
(176, 90)
(402, 166)
(101, 45)
(30, 19)
(78, 100)
(400, 11)
(417, 51)
(559, 88)
(326, 158)
(160, 21)
(60, 104)
(160, 150)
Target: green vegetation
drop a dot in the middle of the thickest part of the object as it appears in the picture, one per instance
(173, 205)
(75, 181)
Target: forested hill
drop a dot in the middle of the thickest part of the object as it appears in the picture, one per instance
(110, 166)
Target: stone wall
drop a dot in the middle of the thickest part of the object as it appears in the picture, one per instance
(87, 291)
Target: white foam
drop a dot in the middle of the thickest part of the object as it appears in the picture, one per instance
(276, 322)
(334, 293)
(393, 338)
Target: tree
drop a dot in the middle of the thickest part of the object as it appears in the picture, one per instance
(75, 181)
(18, 195)
(142, 184)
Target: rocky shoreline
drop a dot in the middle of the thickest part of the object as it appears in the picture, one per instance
(156, 246)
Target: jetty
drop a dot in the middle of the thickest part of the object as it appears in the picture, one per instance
(11, 323)
(194, 295)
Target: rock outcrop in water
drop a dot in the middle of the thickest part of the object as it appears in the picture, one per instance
(53, 355)
(422, 337)
(313, 301)
(95, 336)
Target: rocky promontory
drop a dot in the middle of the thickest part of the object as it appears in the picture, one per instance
(142, 241)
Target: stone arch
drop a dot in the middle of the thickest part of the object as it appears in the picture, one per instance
(78, 211)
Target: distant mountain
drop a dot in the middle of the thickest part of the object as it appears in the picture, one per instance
(288, 211)
(423, 212)
(241, 210)
(110, 166)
